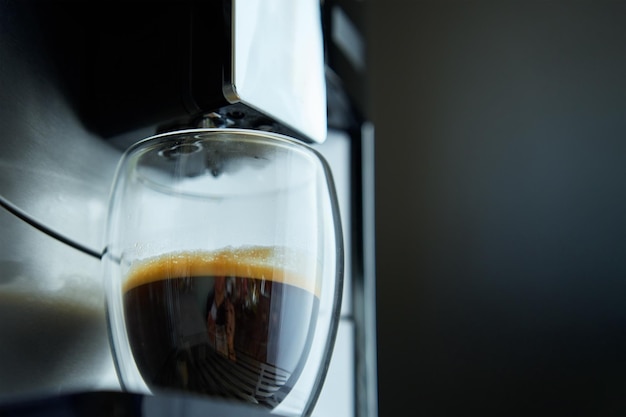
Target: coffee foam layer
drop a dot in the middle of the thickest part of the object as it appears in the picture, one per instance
(276, 264)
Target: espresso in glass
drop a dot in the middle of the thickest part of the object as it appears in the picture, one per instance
(227, 323)
(223, 268)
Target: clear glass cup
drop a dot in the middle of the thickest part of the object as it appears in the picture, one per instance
(224, 267)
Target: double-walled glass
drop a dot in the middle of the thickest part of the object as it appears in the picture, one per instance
(224, 267)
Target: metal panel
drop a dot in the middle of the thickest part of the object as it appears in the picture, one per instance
(279, 62)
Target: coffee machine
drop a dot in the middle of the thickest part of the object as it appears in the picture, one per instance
(82, 81)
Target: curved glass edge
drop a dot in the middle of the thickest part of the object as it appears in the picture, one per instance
(338, 293)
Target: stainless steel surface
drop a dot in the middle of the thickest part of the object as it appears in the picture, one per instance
(56, 173)
(278, 62)
(54, 334)
(366, 372)
(51, 167)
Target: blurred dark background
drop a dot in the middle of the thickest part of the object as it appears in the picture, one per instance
(500, 207)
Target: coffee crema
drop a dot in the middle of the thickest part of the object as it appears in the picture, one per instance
(236, 323)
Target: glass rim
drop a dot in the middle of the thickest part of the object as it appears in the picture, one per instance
(255, 133)
(200, 137)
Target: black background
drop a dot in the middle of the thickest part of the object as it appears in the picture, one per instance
(500, 206)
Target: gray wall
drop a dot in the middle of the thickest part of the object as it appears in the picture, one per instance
(500, 207)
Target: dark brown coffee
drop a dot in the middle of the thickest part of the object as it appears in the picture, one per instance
(220, 324)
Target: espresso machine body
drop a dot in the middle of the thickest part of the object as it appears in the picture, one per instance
(82, 81)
